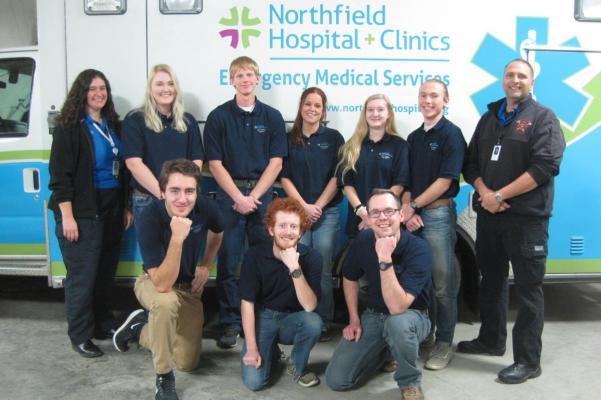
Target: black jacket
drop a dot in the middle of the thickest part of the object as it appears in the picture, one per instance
(72, 161)
(532, 142)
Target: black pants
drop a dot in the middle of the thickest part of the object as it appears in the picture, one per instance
(523, 241)
(91, 263)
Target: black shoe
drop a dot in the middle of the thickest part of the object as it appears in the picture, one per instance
(518, 373)
(130, 330)
(104, 334)
(87, 349)
(476, 347)
(229, 338)
(326, 335)
(165, 387)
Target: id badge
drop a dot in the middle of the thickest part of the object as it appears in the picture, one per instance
(115, 168)
(496, 152)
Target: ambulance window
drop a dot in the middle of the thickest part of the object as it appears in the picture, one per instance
(16, 79)
(587, 10)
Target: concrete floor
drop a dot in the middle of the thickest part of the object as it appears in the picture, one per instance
(38, 362)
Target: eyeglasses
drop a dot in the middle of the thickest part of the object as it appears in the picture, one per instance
(388, 212)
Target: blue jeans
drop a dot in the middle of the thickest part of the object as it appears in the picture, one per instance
(240, 230)
(323, 236)
(300, 329)
(139, 203)
(382, 334)
(439, 232)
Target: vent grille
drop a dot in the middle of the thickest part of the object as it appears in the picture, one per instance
(577, 245)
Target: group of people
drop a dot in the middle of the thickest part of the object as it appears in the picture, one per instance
(399, 276)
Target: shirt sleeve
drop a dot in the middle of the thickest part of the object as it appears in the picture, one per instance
(249, 284)
(213, 132)
(133, 135)
(417, 267)
(452, 155)
(278, 140)
(197, 151)
(471, 167)
(351, 268)
(150, 237)
(338, 142)
(215, 218)
(62, 166)
(400, 167)
(547, 144)
(286, 172)
(312, 266)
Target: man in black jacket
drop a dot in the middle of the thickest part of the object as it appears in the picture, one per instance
(511, 161)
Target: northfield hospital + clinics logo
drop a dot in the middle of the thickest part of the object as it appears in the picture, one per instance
(239, 27)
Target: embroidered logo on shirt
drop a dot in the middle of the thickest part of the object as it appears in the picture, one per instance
(260, 128)
(433, 146)
(323, 145)
(385, 155)
(521, 125)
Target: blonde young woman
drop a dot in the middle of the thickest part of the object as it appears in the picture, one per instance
(375, 157)
(158, 132)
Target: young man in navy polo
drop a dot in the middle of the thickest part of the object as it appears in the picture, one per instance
(398, 268)
(170, 232)
(280, 285)
(245, 144)
(436, 151)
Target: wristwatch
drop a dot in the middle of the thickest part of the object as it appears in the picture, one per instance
(413, 204)
(296, 273)
(498, 197)
(385, 265)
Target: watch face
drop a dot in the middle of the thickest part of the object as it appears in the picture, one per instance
(384, 266)
(296, 273)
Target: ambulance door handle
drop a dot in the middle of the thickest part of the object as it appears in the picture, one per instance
(31, 180)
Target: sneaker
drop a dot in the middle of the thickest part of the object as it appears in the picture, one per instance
(413, 392)
(130, 330)
(306, 379)
(476, 347)
(440, 356)
(389, 365)
(165, 387)
(229, 338)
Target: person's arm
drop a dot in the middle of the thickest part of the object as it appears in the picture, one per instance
(70, 228)
(252, 356)
(143, 175)
(353, 199)
(395, 297)
(267, 178)
(305, 295)
(329, 192)
(351, 295)
(430, 195)
(199, 163)
(202, 271)
(164, 276)
(312, 210)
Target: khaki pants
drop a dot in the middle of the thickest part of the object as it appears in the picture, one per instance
(174, 330)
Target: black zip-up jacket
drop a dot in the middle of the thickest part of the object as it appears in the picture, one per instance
(532, 142)
(71, 165)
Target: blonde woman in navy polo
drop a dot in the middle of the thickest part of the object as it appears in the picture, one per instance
(159, 131)
(308, 176)
(375, 157)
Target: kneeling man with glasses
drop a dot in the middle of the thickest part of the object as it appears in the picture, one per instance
(398, 267)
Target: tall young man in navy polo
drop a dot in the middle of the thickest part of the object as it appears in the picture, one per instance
(436, 151)
(245, 145)
(170, 232)
(511, 161)
(398, 268)
(280, 284)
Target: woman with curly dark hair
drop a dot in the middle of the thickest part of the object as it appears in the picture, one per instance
(89, 186)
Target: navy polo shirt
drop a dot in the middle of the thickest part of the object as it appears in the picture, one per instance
(412, 260)
(266, 281)
(437, 153)
(310, 165)
(153, 229)
(156, 148)
(245, 141)
(381, 165)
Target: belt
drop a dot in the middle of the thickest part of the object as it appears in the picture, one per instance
(438, 203)
(184, 287)
(371, 310)
(246, 183)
